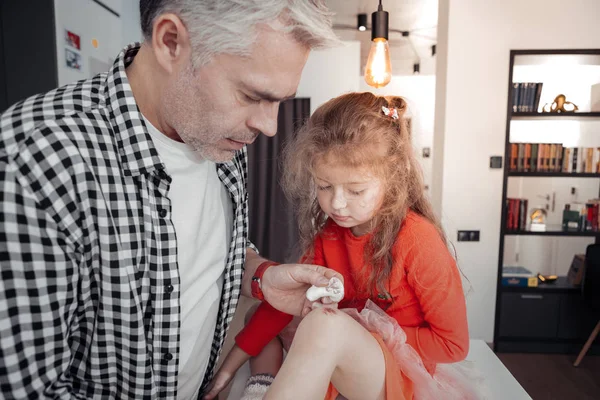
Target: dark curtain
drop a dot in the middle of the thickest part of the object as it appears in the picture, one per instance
(273, 227)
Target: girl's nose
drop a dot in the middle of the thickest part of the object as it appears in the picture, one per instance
(339, 203)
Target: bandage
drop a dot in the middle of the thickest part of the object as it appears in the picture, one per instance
(334, 290)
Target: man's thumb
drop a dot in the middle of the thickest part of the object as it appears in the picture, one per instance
(312, 277)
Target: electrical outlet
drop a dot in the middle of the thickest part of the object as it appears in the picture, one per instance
(496, 162)
(468, 236)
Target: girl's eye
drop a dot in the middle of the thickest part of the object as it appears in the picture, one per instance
(323, 187)
(356, 193)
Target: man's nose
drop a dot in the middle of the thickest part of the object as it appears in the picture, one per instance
(265, 120)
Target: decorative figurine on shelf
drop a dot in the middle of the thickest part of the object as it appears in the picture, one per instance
(560, 105)
(547, 278)
(538, 219)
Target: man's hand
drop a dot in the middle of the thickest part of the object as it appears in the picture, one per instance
(285, 286)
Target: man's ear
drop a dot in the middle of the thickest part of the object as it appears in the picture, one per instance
(170, 42)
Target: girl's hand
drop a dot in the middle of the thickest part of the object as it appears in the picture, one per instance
(219, 382)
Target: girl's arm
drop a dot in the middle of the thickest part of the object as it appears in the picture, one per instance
(435, 279)
(267, 322)
(234, 360)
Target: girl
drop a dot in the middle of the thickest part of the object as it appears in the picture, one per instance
(355, 184)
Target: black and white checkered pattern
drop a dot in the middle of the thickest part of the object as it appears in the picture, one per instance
(89, 285)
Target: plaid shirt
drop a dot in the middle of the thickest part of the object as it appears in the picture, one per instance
(89, 285)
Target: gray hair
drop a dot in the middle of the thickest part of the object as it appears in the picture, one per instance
(229, 26)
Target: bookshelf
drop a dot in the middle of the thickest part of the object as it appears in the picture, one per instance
(555, 232)
(554, 174)
(538, 115)
(551, 316)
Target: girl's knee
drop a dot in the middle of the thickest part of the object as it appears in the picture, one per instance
(325, 326)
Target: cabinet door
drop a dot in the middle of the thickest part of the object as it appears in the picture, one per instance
(529, 315)
(576, 319)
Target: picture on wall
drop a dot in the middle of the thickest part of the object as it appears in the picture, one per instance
(73, 59)
(72, 39)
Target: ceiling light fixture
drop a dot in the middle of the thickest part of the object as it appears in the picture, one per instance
(378, 71)
(362, 22)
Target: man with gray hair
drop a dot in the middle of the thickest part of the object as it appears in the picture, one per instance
(124, 218)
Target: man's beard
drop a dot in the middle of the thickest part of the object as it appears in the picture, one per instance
(189, 112)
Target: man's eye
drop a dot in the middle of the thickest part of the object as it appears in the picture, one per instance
(323, 187)
(356, 193)
(251, 99)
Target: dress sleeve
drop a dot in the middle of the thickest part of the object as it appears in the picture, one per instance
(436, 281)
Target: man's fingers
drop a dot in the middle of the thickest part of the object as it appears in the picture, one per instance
(330, 273)
(317, 275)
(305, 311)
(326, 300)
(310, 276)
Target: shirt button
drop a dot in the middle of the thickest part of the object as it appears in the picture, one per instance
(162, 212)
(168, 356)
(162, 174)
(169, 289)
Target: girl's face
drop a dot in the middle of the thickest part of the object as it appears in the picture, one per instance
(350, 196)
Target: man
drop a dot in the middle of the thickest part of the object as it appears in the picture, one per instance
(123, 218)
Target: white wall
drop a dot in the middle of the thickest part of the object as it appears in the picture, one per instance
(330, 73)
(130, 22)
(419, 92)
(477, 39)
(90, 21)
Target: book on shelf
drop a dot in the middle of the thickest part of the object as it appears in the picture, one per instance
(553, 157)
(526, 96)
(579, 217)
(516, 214)
(576, 271)
(595, 97)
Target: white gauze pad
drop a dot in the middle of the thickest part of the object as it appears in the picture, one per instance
(335, 291)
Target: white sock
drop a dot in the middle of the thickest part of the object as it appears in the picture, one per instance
(257, 387)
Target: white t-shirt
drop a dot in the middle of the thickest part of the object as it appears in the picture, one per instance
(203, 217)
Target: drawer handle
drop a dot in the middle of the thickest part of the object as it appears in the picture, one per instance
(532, 296)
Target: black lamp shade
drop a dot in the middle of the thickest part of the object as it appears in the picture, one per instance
(362, 22)
(380, 21)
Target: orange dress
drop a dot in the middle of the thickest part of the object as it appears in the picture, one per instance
(425, 297)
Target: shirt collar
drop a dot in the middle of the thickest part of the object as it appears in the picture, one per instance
(137, 151)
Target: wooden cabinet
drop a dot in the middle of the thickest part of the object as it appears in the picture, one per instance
(551, 319)
(529, 315)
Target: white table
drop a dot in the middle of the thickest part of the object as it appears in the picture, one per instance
(500, 381)
(502, 384)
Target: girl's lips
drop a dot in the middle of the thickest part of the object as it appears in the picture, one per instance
(339, 217)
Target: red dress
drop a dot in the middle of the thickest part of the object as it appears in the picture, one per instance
(425, 294)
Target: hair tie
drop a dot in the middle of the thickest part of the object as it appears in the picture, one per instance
(390, 112)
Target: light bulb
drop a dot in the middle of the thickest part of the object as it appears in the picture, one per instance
(378, 71)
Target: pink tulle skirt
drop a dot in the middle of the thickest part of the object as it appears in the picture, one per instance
(457, 381)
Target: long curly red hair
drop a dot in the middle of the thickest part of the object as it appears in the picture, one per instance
(352, 129)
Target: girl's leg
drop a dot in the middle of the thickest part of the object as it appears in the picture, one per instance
(330, 346)
(270, 358)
